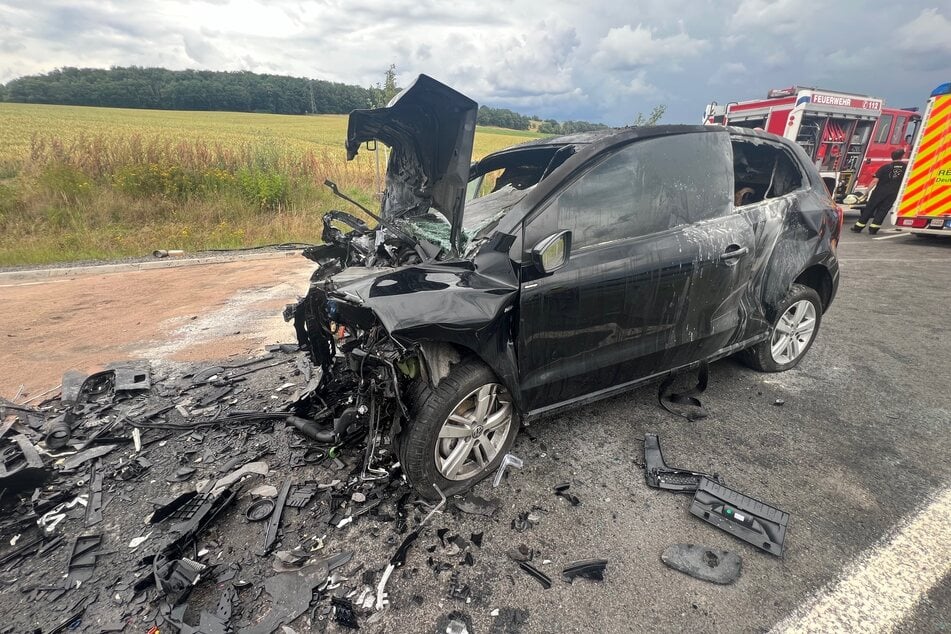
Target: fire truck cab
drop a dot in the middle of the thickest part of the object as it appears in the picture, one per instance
(848, 136)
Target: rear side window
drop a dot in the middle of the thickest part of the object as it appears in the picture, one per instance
(761, 171)
(648, 186)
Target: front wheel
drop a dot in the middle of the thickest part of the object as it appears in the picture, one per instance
(792, 334)
(458, 432)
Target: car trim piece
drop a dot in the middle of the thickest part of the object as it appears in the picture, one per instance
(623, 387)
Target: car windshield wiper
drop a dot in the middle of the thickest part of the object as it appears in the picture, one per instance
(333, 187)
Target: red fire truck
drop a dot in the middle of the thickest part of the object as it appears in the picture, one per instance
(848, 136)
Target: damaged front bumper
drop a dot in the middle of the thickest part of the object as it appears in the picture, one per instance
(361, 370)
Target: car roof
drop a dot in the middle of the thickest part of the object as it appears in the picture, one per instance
(624, 134)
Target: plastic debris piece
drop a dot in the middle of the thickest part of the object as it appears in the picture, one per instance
(301, 494)
(561, 490)
(344, 614)
(779, 402)
(81, 458)
(509, 620)
(520, 553)
(474, 505)
(536, 574)
(132, 379)
(260, 510)
(252, 468)
(182, 474)
(507, 461)
(458, 590)
(264, 491)
(82, 558)
(476, 538)
(660, 476)
(685, 404)
(21, 467)
(706, 564)
(94, 507)
(743, 517)
(275, 522)
(586, 569)
(58, 433)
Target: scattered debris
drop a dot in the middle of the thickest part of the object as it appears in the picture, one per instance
(399, 557)
(684, 404)
(743, 517)
(707, 564)
(455, 623)
(79, 459)
(264, 491)
(275, 522)
(94, 505)
(507, 461)
(475, 505)
(260, 510)
(661, 476)
(508, 620)
(521, 553)
(561, 490)
(586, 569)
(536, 574)
(344, 614)
(779, 402)
(82, 559)
(21, 467)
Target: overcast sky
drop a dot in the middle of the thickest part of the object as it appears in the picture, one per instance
(601, 61)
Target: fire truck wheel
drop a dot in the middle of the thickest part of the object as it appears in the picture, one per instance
(794, 329)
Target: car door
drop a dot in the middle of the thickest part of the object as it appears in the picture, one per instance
(645, 288)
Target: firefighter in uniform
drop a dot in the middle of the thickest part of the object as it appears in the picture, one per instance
(885, 188)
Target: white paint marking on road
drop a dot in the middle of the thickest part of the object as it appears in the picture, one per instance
(881, 589)
(894, 235)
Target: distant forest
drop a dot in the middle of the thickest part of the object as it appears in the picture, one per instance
(238, 91)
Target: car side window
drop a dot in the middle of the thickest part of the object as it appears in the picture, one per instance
(647, 186)
(762, 170)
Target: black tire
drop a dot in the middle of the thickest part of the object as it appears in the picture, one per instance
(429, 409)
(760, 356)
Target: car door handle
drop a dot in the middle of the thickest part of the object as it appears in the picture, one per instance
(734, 251)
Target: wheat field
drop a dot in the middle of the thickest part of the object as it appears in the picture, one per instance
(80, 183)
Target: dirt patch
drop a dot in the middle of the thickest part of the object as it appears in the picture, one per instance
(209, 311)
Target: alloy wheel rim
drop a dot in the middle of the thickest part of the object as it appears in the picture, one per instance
(472, 435)
(793, 332)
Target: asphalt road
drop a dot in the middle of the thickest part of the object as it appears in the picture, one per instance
(857, 455)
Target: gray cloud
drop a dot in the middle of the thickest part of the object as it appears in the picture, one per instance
(598, 61)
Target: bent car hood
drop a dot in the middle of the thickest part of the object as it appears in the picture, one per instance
(430, 129)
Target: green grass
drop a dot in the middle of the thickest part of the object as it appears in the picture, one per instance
(82, 183)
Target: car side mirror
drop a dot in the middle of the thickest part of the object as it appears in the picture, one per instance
(553, 252)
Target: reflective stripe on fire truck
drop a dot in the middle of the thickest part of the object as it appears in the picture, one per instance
(925, 192)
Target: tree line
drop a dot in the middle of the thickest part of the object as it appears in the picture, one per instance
(236, 91)
(161, 89)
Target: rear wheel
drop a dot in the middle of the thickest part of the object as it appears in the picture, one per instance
(458, 432)
(792, 334)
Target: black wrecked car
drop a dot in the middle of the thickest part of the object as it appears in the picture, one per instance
(550, 275)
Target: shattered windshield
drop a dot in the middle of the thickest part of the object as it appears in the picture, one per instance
(480, 218)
